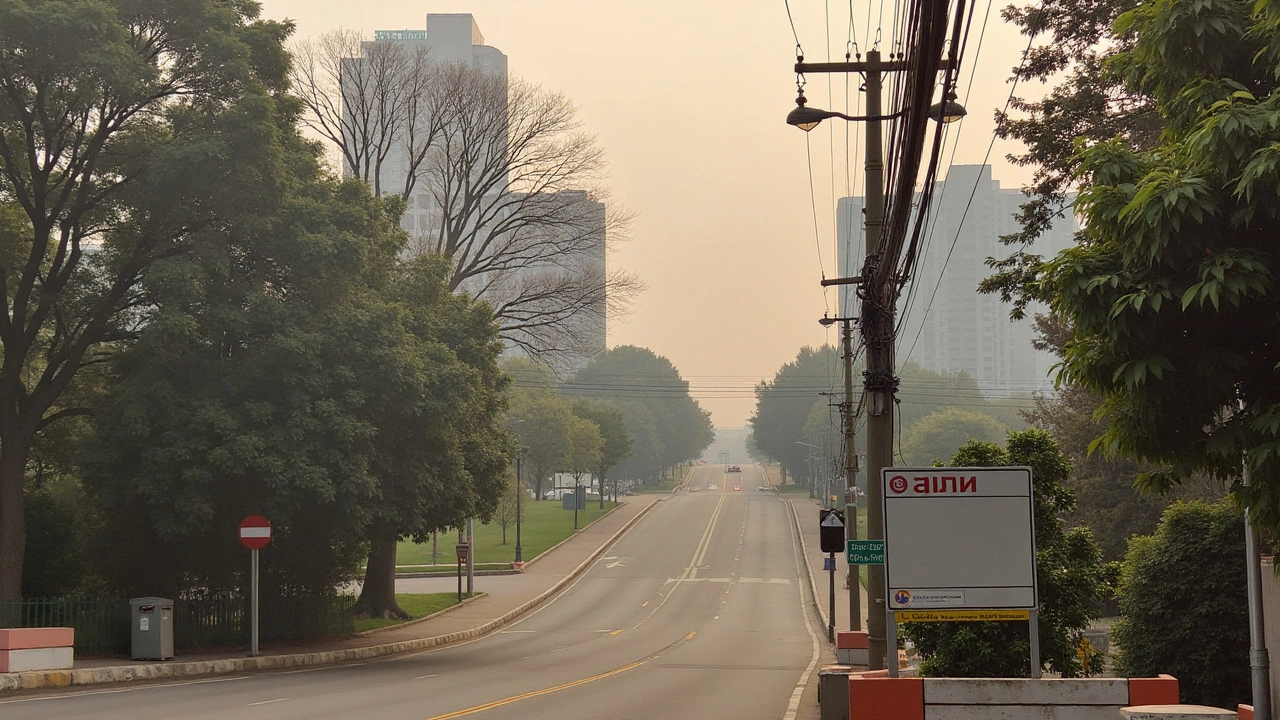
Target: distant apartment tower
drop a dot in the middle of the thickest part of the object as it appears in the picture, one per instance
(956, 328)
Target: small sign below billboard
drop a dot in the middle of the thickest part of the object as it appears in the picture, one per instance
(959, 538)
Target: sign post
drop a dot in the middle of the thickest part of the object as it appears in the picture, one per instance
(959, 542)
(464, 553)
(255, 533)
(831, 539)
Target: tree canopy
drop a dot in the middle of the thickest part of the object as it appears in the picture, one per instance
(106, 109)
(1171, 294)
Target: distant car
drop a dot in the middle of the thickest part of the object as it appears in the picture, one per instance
(733, 468)
(695, 488)
(762, 488)
(737, 488)
(713, 487)
(628, 491)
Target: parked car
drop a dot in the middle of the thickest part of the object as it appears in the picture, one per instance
(736, 488)
(733, 468)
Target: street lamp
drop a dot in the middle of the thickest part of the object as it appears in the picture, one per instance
(807, 118)
(519, 563)
(810, 462)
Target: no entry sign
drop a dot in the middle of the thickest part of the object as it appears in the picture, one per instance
(255, 532)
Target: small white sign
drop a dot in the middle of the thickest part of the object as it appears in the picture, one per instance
(144, 623)
(832, 520)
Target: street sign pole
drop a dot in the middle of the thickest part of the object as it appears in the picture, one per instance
(255, 533)
(831, 584)
(1033, 616)
(253, 602)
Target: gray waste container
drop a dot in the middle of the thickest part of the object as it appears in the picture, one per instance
(569, 502)
(152, 628)
(833, 692)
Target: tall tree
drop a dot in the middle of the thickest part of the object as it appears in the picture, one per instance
(106, 108)
(783, 405)
(1171, 295)
(543, 430)
(370, 100)
(612, 424)
(508, 184)
(938, 435)
(638, 375)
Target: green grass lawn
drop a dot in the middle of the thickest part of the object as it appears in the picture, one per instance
(417, 605)
(545, 524)
(793, 489)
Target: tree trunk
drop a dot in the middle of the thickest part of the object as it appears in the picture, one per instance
(13, 531)
(539, 491)
(602, 491)
(378, 595)
(504, 533)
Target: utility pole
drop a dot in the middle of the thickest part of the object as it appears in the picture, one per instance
(851, 477)
(877, 336)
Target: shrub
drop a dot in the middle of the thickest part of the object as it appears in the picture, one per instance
(1183, 604)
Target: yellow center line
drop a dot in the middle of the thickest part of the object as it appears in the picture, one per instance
(536, 693)
(615, 632)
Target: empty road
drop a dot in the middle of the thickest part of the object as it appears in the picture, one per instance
(698, 612)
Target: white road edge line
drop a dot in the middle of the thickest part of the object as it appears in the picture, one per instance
(794, 705)
(268, 702)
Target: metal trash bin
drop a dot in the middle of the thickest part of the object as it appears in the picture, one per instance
(833, 691)
(569, 501)
(152, 628)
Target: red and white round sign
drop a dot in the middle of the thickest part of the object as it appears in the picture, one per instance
(255, 532)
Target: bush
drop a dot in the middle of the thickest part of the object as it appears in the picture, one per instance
(1071, 576)
(1183, 604)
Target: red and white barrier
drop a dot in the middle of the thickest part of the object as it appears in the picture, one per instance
(872, 698)
(23, 649)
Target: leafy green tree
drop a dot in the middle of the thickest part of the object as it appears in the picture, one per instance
(107, 109)
(509, 509)
(1108, 503)
(941, 433)
(584, 448)
(1183, 604)
(248, 391)
(783, 405)
(616, 446)
(543, 430)
(1171, 294)
(638, 375)
(440, 453)
(645, 461)
(1070, 575)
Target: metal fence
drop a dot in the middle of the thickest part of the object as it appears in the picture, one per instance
(102, 625)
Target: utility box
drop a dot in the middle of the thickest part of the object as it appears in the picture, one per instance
(152, 628)
(570, 501)
(833, 692)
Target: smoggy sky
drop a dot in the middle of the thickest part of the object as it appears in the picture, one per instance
(688, 97)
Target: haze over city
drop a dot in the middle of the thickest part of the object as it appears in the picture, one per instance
(688, 100)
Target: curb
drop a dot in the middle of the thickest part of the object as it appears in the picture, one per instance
(804, 552)
(35, 680)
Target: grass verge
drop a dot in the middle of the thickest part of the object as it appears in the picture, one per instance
(545, 524)
(416, 604)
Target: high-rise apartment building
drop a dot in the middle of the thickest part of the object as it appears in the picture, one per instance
(944, 323)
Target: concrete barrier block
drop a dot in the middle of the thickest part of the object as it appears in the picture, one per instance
(1175, 712)
(1162, 690)
(875, 698)
(37, 658)
(1020, 691)
(852, 656)
(1020, 712)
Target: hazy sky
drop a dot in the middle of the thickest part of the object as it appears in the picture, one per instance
(688, 97)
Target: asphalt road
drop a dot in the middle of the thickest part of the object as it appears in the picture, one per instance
(698, 612)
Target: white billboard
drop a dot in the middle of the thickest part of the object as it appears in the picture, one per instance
(960, 538)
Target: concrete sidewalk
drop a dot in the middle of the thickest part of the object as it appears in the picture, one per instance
(506, 598)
